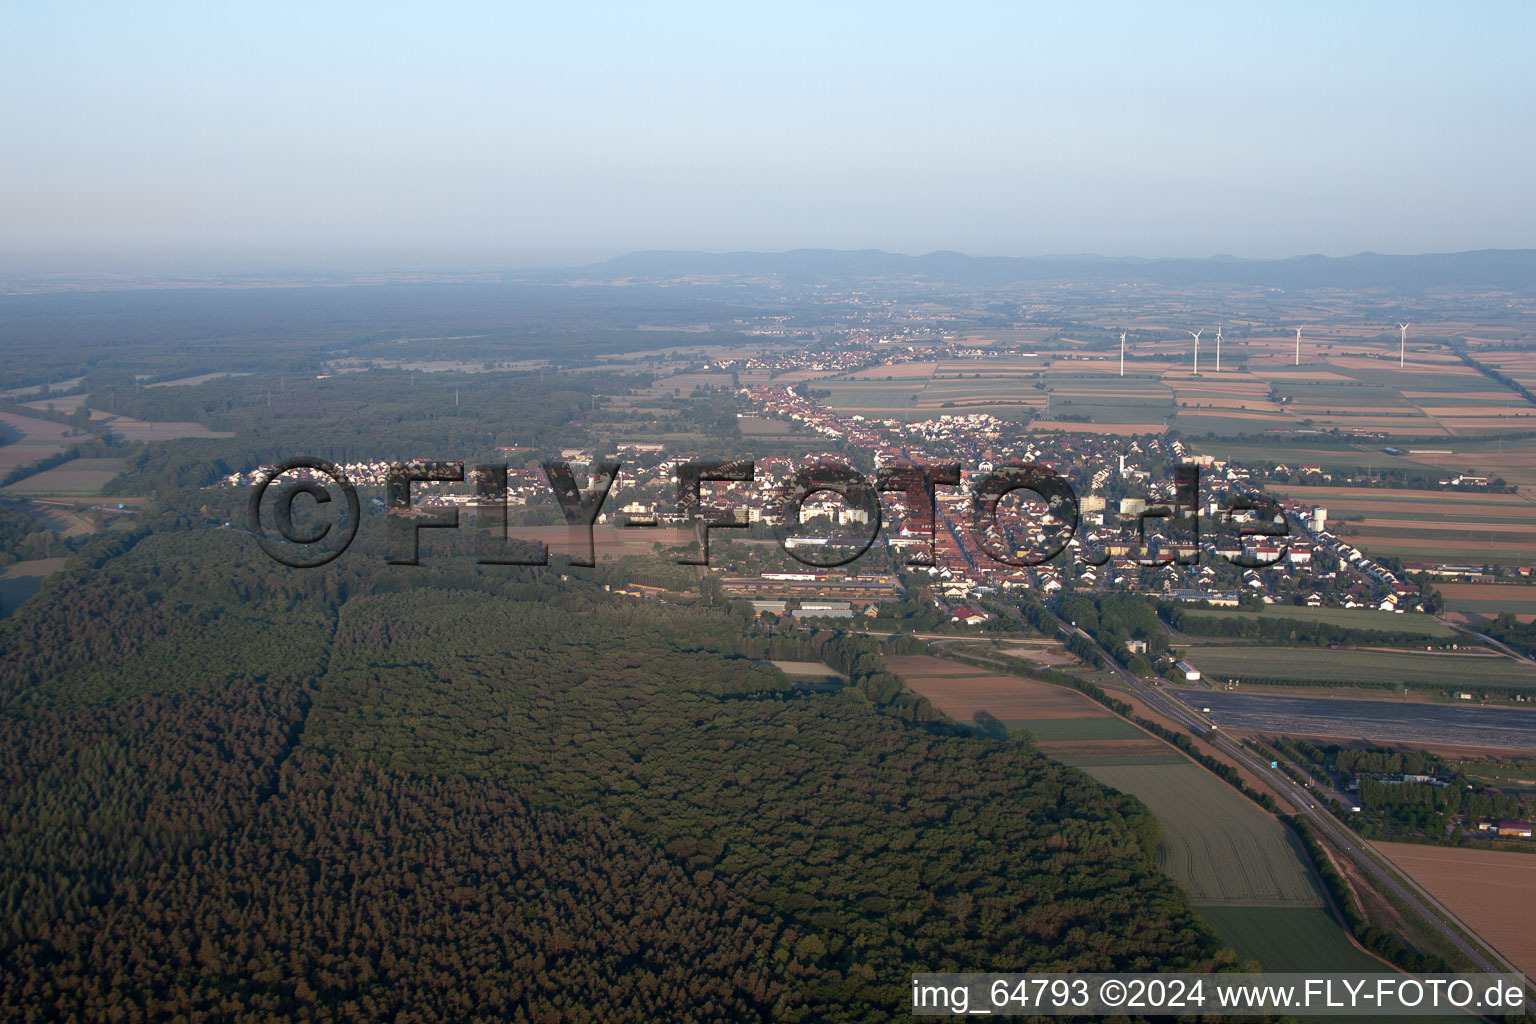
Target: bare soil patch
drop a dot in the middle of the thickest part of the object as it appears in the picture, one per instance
(960, 695)
(1493, 891)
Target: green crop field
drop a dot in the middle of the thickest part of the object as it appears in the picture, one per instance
(1348, 618)
(1369, 667)
(1097, 728)
(1289, 939)
(1216, 844)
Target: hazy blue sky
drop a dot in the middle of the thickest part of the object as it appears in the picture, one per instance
(464, 134)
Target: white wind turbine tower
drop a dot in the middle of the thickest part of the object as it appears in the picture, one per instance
(1122, 353)
(1218, 348)
(1196, 336)
(1298, 346)
(1402, 343)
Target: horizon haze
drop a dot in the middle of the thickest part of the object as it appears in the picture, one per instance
(298, 138)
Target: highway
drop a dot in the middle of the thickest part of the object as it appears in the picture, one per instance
(1371, 864)
(1377, 869)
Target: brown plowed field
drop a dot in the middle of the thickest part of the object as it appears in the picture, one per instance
(1491, 890)
(961, 694)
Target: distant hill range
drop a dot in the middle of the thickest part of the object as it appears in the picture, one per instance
(1512, 269)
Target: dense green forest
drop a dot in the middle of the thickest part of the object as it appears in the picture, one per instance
(460, 792)
(457, 792)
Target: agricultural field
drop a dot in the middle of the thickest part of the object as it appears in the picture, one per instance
(961, 691)
(1520, 365)
(1065, 723)
(75, 477)
(1091, 757)
(1004, 387)
(20, 580)
(1368, 667)
(66, 404)
(1049, 730)
(1006, 336)
(202, 378)
(812, 670)
(1339, 384)
(1350, 387)
(1514, 459)
(1110, 400)
(1289, 939)
(1489, 598)
(35, 389)
(28, 440)
(1299, 451)
(1221, 848)
(1495, 729)
(1346, 618)
(125, 428)
(1427, 526)
(1493, 891)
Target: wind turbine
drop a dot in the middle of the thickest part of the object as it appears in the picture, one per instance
(1196, 336)
(1402, 343)
(1218, 347)
(1122, 353)
(1298, 346)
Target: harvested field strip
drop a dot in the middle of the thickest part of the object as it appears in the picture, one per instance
(963, 695)
(1457, 593)
(906, 665)
(1493, 891)
(1109, 751)
(1097, 728)
(1087, 760)
(77, 476)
